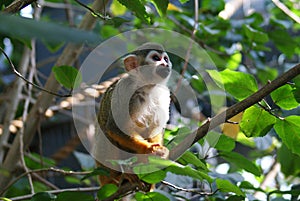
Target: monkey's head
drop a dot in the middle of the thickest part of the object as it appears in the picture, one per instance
(149, 63)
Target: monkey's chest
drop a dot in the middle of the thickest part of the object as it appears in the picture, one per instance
(149, 110)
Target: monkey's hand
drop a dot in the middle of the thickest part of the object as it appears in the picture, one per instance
(159, 150)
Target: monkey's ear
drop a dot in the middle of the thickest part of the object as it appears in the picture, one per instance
(130, 62)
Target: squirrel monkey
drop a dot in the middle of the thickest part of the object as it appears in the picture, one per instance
(134, 111)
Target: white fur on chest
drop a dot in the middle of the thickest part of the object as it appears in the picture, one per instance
(141, 111)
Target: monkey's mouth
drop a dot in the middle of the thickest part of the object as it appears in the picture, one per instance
(163, 71)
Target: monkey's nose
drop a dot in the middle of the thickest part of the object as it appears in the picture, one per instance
(165, 64)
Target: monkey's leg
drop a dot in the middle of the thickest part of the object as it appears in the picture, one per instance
(135, 143)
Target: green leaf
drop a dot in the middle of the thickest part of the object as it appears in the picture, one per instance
(214, 6)
(67, 76)
(183, 1)
(25, 28)
(53, 46)
(106, 191)
(288, 130)
(241, 162)
(239, 85)
(284, 97)
(234, 61)
(150, 196)
(248, 185)
(4, 199)
(154, 177)
(43, 196)
(190, 158)
(256, 122)
(266, 74)
(96, 172)
(289, 162)
(198, 83)
(227, 186)
(296, 80)
(161, 6)
(225, 143)
(137, 8)
(74, 196)
(189, 171)
(288, 45)
(254, 35)
(117, 8)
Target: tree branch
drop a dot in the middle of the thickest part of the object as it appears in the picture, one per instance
(88, 189)
(17, 5)
(43, 102)
(287, 11)
(233, 110)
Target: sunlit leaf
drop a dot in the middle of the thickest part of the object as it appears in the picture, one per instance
(238, 84)
(234, 61)
(117, 8)
(106, 191)
(288, 130)
(257, 122)
(284, 97)
(137, 8)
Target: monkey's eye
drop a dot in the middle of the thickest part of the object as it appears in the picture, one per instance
(166, 59)
(155, 57)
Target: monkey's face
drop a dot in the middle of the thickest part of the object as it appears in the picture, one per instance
(160, 61)
(149, 66)
(155, 67)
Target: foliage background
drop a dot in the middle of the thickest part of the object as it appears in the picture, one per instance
(257, 158)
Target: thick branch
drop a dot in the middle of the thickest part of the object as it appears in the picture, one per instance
(234, 110)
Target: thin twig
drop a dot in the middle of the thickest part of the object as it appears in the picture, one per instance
(231, 122)
(188, 53)
(92, 11)
(189, 190)
(26, 80)
(269, 111)
(25, 113)
(64, 172)
(88, 189)
(14, 96)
